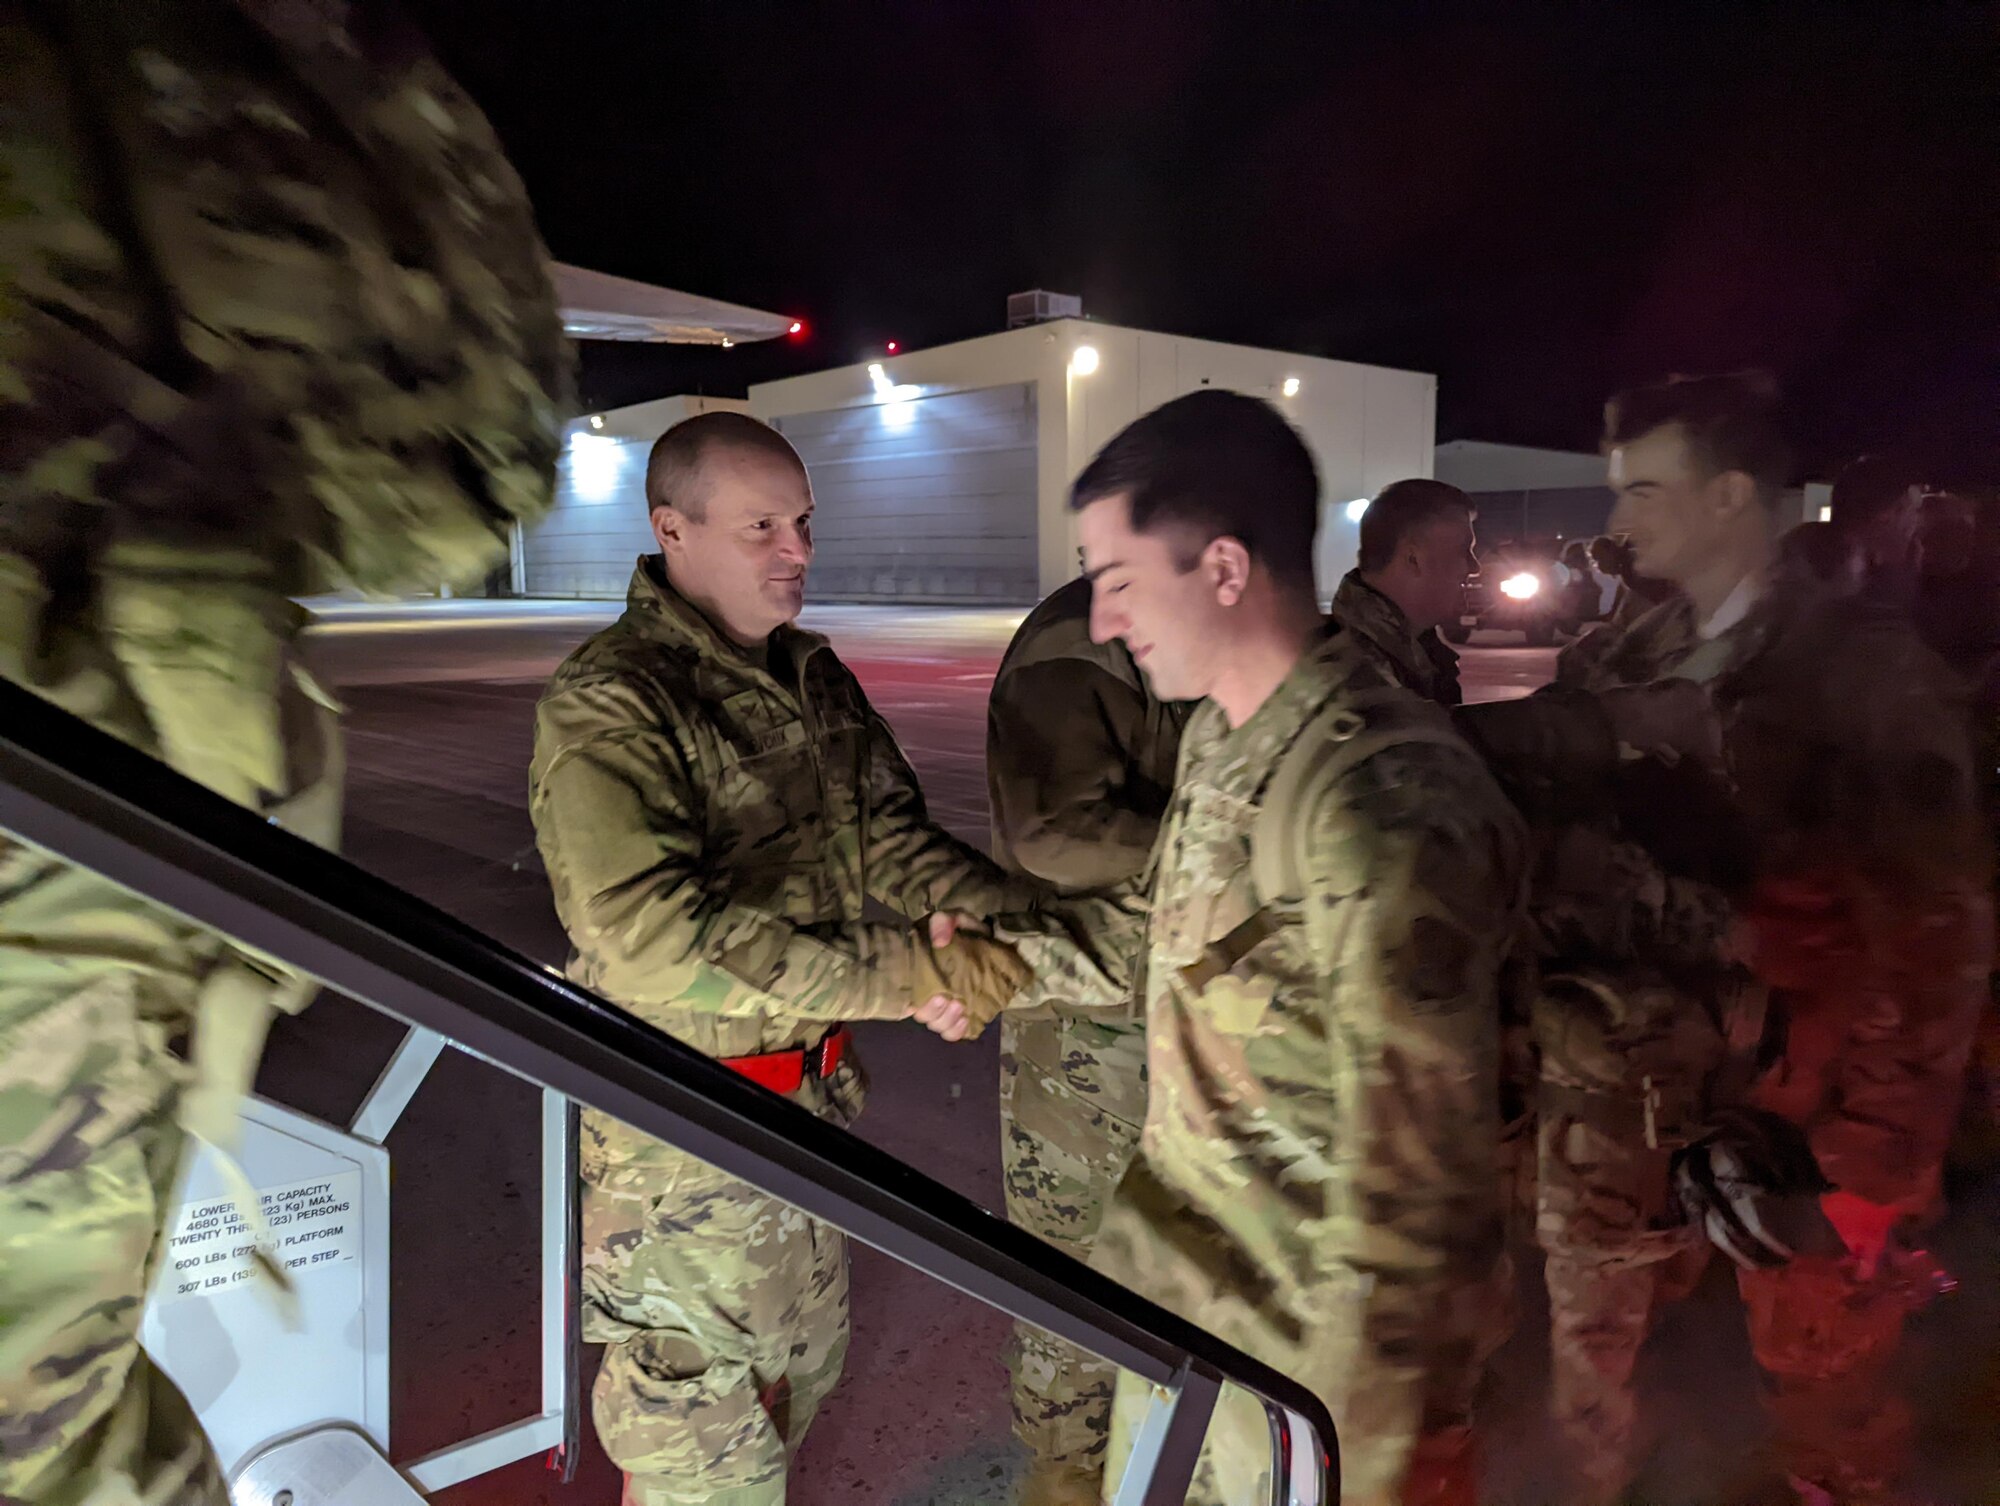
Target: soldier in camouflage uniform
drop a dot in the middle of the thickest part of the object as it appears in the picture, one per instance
(1626, 999)
(1415, 552)
(273, 318)
(715, 800)
(1336, 881)
(1862, 905)
(1079, 766)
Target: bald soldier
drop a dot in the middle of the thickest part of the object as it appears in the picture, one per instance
(1335, 884)
(715, 800)
(1079, 767)
(1409, 580)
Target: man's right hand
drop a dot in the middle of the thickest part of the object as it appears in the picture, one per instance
(945, 1017)
(1666, 716)
(959, 987)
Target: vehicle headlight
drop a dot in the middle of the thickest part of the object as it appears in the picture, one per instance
(1520, 587)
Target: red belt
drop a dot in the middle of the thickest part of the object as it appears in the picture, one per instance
(787, 1071)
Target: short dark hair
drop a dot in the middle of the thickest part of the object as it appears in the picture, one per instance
(1219, 465)
(1401, 509)
(1870, 486)
(1730, 423)
(673, 470)
(1611, 554)
(1817, 550)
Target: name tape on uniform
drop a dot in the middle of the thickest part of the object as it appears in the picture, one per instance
(314, 1222)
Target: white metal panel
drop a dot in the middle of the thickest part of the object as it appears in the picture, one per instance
(1475, 465)
(598, 527)
(221, 1333)
(928, 500)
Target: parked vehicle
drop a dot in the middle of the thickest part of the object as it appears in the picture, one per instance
(1522, 586)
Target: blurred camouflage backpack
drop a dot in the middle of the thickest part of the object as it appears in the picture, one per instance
(1341, 734)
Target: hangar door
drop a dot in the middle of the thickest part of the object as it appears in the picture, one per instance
(930, 500)
(597, 528)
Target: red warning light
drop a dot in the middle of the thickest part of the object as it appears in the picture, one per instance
(798, 328)
(894, 347)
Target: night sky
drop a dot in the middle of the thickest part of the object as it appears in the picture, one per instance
(1536, 202)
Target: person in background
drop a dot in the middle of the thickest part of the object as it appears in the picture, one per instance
(1080, 767)
(1592, 593)
(1635, 595)
(1821, 552)
(1416, 549)
(1860, 903)
(1877, 504)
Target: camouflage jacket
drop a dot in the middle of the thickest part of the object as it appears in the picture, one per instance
(1622, 981)
(713, 820)
(1422, 662)
(1079, 752)
(1870, 917)
(273, 316)
(1316, 1179)
(1658, 902)
(1851, 773)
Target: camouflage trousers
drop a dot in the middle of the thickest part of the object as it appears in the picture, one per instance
(1609, 1270)
(1616, 1251)
(1826, 1333)
(1826, 1338)
(725, 1316)
(1072, 1102)
(89, 1149)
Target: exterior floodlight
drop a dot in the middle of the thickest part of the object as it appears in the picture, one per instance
(1291, 387)
(891, 392)
(1083, 360)
(598, 468)
(727, 343)
(1520, 587)
(597, 420)
(1356, 508)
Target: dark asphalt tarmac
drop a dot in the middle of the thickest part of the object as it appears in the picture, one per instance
(439, 703)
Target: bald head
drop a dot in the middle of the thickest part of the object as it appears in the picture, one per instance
(675, 471)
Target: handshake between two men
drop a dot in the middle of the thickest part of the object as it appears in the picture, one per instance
(962, 972)
(972, 977)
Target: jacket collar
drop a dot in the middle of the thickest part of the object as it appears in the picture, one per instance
(659, 613)
(1421, 659)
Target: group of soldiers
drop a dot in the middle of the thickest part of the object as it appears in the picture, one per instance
(1307, 974)
(1744, 868)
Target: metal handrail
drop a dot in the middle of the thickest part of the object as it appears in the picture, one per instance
(84, 796)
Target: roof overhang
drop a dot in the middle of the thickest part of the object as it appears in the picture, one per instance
(1478, 465)
(598, 306)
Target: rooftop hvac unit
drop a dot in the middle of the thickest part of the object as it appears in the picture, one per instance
(1039, 307)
